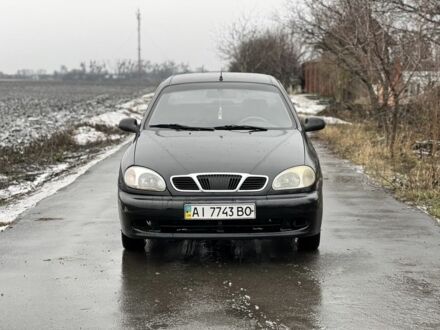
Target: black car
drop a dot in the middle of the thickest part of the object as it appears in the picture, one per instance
(220, 155)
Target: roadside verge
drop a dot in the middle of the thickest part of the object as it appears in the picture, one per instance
(90, 142)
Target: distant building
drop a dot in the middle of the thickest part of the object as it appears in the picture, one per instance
(324, 78)
(316, 79)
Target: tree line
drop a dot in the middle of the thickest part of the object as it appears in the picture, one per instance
(93, 70)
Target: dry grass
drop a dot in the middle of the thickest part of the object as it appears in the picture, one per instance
(24, 162)
(413, 178)
(105, 129)
(39, 152)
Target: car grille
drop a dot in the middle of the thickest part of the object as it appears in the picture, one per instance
(219, 182)
(253, 183)
(185, 183)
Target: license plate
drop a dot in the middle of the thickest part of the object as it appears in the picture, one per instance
(219, 211)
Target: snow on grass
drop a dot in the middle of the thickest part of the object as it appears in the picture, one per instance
(112, 119)
(31, 110)
(25, 187)
(333, 120)
(328, 120)
(84, 135)
(10, 212)
(138, 105)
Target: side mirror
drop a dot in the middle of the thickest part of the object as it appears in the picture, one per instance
(313, 124)
(129, 125)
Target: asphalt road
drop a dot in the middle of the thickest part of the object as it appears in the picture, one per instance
(62, 266)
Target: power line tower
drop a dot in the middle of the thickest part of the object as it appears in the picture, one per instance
(138, 17)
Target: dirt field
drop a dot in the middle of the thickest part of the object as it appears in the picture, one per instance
(34, 109)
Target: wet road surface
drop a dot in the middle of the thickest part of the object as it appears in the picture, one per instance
(62, 266)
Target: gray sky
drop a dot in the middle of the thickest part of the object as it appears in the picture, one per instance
(43, 34)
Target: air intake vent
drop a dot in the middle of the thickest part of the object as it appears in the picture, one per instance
(219, 181)
(185, 183)
(253, 183)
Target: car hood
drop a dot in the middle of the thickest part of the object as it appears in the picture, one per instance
(172, 152)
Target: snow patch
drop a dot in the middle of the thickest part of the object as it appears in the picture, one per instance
(25, 187)
(333, 120)
(138, 105)
(307, 104)
(134, 109)
(328, 120)
(112, 119)
(85, 134)
(3, 228)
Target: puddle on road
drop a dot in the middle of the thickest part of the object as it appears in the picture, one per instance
(238, 283)
(241, 303)
(49, 219)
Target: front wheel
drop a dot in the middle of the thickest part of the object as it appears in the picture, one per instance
(310, 243)
(132, 244)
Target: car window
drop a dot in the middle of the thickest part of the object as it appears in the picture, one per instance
(214, 105)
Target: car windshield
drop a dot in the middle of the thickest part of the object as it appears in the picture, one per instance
(221, 106)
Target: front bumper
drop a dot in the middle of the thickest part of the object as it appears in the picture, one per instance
(290, 215)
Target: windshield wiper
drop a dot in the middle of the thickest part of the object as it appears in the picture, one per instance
(179, 127)
(240, 127)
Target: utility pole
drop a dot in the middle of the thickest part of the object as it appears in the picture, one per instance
(138, 16)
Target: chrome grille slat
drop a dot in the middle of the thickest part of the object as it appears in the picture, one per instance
(233, 183)
(204, 182)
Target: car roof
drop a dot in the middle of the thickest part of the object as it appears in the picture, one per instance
(215, 77)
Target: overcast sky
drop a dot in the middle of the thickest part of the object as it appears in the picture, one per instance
(44, 34)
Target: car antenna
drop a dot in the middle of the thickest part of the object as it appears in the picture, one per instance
(221, 75)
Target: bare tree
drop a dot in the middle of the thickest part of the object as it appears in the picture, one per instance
(375, 42)
(426, 12)
(272, 51)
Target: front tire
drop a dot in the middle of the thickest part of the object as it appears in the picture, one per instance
(132, 244)
(310, 243)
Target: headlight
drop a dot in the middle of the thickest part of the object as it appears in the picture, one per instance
(294, 178)
(143, 178)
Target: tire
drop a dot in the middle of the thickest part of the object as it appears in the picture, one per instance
(310, 243)
(132, 244)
